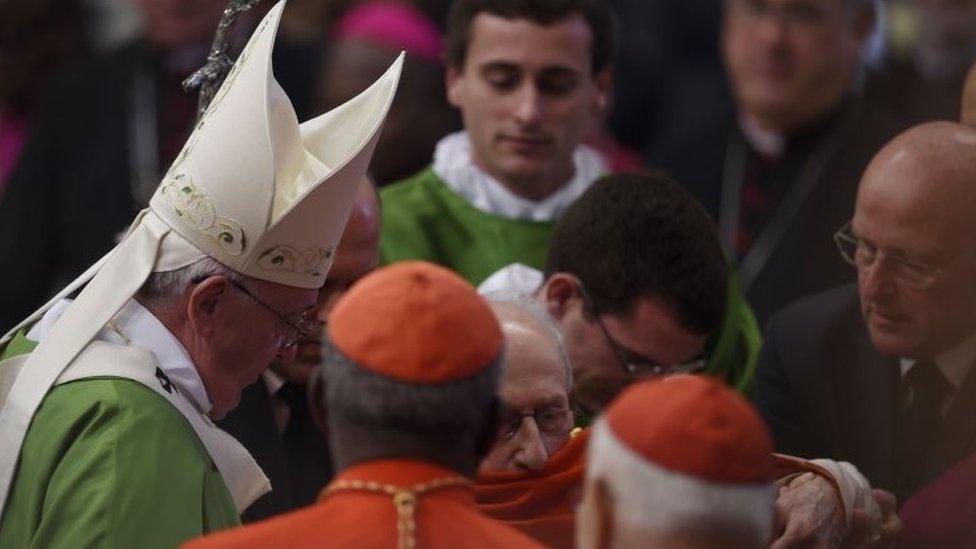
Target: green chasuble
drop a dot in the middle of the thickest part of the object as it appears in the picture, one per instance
(425, 219)
(109, 463)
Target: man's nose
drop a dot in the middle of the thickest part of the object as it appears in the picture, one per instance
(773, 29)
(876, 279)
(531, 453)
(528, 110)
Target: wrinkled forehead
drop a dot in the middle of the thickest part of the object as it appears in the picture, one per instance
(529, 45)
(532, 359)
(917, 198)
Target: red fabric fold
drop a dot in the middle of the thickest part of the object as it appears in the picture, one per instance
(540, 504)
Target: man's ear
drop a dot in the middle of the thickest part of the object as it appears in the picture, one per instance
(559, 292)
(453, 82)
(204, 301)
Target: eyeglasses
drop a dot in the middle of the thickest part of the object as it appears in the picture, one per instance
(299, 329)
(633, 364)
(551, 420)
(296, 330)
(862, 254)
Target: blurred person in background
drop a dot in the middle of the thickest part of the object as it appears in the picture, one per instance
(668, 78)
(362, 43)
(779, 174)
(934, 43)
(36, 39)
(105, 131)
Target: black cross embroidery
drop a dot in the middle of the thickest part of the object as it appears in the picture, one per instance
(165, 382)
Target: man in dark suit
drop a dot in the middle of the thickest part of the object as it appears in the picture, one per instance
(779, 169)
(881, 374)
(273, 420)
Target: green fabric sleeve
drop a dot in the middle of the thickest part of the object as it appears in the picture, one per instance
(18, 345)
(734, 350)
(108, 463)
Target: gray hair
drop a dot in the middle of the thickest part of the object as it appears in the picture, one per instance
(531, 306)
(357, 396)
(169, 284)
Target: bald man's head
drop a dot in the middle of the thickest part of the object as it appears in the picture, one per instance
(534, 389)
(916, 221)
(356, 255)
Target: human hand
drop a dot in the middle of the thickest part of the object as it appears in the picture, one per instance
(809, 514)
(860, 535)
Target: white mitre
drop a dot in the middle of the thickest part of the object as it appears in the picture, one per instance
(252, 188)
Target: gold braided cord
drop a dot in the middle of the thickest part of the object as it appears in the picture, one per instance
(404, 500)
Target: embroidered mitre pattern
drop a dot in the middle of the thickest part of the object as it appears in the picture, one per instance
(197, 209)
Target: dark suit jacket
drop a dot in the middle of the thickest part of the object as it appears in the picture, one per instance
(298, 463)
(825, 391)
(805, 259)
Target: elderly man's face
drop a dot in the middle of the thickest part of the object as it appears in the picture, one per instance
(534, 392)
(238, 330)
(791, 61)
(527, 96)
(907, 211)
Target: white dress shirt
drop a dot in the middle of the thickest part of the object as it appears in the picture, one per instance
(954, 364)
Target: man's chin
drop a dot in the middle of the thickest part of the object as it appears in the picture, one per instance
(891, 343)
(298, 371)
(220, 410)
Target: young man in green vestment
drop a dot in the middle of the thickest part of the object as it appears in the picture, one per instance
(635, 281)
(107, 400)
(530, 78)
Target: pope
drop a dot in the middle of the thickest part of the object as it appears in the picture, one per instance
(106, 400)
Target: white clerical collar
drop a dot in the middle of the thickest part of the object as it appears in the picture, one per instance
(515, 278)
(135, 325)
(272, 381)
(453, 164)
(764, 142)
(954, 363)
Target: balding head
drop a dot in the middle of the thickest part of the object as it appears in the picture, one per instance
(534, 388)
(917, 206)
(968, 114)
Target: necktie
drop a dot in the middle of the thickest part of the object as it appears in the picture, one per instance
(760, 197)
(921, 393)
